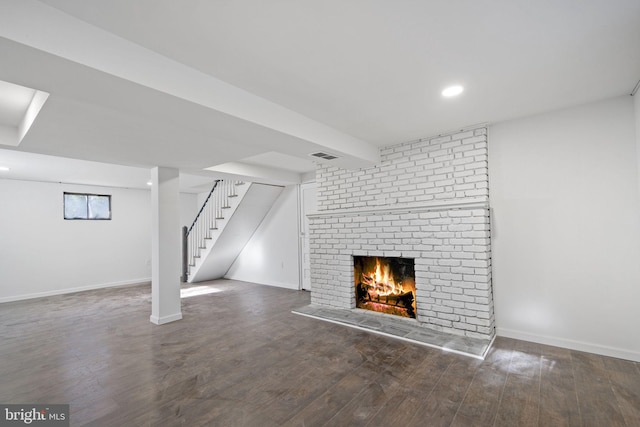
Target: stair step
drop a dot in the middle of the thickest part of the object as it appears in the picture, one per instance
(214, 259)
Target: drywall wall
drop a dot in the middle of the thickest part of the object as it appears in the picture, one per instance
(42, 254)
(188, 208)
(271, 255)
(566, 228)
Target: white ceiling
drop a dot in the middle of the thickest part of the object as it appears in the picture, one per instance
(14, 103)
(254, 87)
(40, 167)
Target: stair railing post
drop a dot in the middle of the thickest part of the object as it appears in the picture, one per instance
(185, 253)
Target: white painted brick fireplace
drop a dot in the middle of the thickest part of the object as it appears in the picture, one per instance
(427, 200)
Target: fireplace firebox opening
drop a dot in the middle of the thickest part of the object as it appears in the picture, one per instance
(385, 284)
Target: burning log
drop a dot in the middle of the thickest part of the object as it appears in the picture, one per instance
(367, 292)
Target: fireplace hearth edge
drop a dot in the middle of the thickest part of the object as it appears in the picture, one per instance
(399, 328)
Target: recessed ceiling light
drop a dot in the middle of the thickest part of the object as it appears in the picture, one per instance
(452, 91)
(149, 183)
(4, 169)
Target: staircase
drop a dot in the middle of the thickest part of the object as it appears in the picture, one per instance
(228, 218)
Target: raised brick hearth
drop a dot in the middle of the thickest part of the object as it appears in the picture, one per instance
(427, 200)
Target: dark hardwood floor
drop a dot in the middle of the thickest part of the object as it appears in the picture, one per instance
(240, 358)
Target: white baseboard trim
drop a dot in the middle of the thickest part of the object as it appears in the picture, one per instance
(165, 319)
(72, 290)
(619, 353)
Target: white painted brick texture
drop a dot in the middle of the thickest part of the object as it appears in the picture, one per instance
(447, 168)
(451, 247)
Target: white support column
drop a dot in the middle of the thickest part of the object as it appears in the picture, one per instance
(165, 244)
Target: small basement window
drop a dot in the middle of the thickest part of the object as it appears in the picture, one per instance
(87, 206)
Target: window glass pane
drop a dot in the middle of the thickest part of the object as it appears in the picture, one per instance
(99, 207)
(75, 206)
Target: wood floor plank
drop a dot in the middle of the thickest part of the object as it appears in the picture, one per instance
(424, 368)
(520, 401)
(483, 396)
(558, 393)
(442, 403)
(625, 383)
(239, 357)
(598, 404)
(323, 408)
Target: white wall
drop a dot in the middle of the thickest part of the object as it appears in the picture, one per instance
(271, 255)
(188, 208)
(42, 254)
(566, 228)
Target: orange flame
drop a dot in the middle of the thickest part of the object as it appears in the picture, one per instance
(381, 282)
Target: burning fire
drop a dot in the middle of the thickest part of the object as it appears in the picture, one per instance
(378, 290)
(380, 282)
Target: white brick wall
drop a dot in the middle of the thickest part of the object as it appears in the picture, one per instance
(447, 168)
(398, 209)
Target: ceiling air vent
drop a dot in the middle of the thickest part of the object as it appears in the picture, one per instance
(322, 155)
